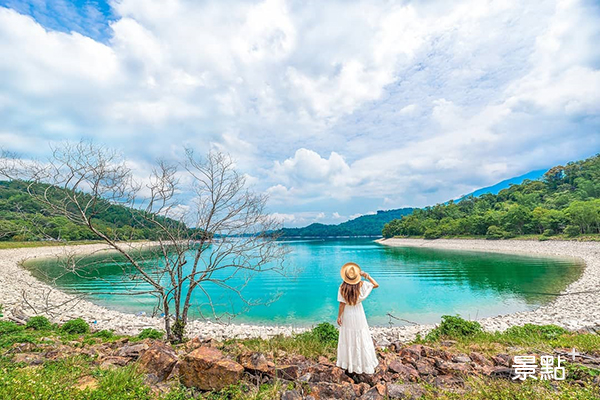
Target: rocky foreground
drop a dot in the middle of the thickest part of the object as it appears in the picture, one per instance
(405, 371)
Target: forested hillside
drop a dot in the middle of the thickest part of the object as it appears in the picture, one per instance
(365, 225)
(22, 218)
(566, 200)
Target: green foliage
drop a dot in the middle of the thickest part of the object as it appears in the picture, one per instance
(454, 327)
(567, 201)
(326, 332)
(7, 327)
(150, 333)
(1, 310)
(39, 323)
(365, 225)
(75, 327)
(104, 334)
(320, 341)
(494, 233)
(572, 230)
(543, 332)
(23, 219)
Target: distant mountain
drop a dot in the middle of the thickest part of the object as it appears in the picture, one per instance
(365, 225)
(505, 184)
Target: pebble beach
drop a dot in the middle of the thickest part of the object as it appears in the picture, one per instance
(578, 307)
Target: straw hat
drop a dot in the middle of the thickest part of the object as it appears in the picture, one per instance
(350, 273)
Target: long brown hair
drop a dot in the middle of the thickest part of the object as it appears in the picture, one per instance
(350, 292)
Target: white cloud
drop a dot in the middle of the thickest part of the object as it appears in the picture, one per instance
(343, 106)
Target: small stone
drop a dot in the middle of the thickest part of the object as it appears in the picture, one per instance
(134, 350)
(425, 368)
(291, 395)
(461, 358)
(408, 391)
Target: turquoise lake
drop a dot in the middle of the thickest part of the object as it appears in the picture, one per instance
(417, 284)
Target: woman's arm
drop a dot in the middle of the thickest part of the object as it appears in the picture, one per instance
(368, 277)
(340, 312)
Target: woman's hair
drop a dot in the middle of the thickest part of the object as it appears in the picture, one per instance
(350, 292)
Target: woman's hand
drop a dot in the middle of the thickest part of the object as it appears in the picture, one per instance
(363, 274)
(339, 320)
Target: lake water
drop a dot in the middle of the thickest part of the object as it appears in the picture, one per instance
(416, 284)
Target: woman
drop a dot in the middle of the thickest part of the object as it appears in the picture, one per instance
(356, 352)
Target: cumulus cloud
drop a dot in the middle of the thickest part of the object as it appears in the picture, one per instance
(336, 107)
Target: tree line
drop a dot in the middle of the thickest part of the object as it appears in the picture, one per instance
(565, 201)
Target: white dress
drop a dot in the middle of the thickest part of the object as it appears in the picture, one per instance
(356, 352)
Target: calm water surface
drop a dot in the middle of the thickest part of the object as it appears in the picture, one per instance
(416, 284)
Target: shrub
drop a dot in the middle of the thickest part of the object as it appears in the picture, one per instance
(572, 230)
(39, 323)
(8, 327)
(454, 327)
(104, 334)
(494, 233)
(150, 333)
(326, 332)
(76, 326)
(530, 331)
(432, 233)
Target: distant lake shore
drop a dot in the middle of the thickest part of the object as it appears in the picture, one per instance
(577, 307)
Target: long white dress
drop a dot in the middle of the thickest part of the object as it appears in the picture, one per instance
(356, 352)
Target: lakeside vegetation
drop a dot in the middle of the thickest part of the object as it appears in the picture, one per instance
(27, 372)
(566, 201)
(365, 225)
(23, 218)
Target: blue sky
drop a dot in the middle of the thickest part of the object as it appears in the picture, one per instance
(334, 108)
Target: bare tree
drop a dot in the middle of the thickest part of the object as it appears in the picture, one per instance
(209, 228)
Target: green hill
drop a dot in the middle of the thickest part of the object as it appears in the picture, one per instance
(566, 200)
(365, 225)
(22, 218)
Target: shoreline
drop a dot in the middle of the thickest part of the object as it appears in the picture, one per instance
(578, 306)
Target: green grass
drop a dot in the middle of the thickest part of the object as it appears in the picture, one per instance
(541, 338)
(481, 388)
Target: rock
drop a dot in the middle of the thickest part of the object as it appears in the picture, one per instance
(409, 391)
(425, 368)
(192, 345)
(430, 352)
(206, 368)
(377, 392)
(158, 360)
(326, 390)
(133, 350)
(411, 354)
(289, 372)
(500, 372)
(113, 362)
(406, 372)
(448, 381)
(448, 343)
(291, 395)
(461, 358)
(480, 359)
(28, 358)
(324, 360)
(256, 362)
(447, 367)
(503, 360)
(324, 373)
